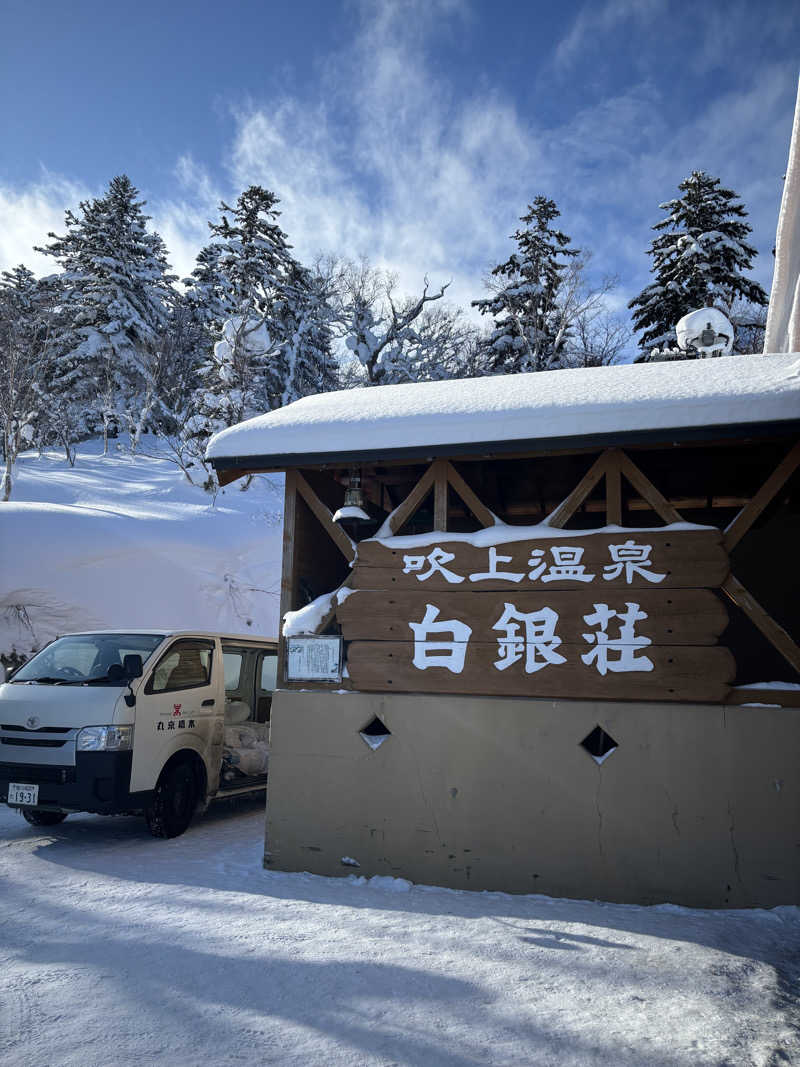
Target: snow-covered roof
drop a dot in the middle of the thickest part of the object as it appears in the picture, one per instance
(597, 403)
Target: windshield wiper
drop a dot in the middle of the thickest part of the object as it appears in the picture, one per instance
(45, 680)
(105, 680)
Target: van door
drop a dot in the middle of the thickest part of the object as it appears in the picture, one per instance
(266, 683)
(177, 709)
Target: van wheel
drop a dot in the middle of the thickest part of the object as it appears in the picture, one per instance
(174, 802)
(43, 818)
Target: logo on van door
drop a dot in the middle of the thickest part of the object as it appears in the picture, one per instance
(176, 709)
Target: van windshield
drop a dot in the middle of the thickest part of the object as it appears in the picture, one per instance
(84, 659)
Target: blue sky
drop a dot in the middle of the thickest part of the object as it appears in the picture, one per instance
(413, 132)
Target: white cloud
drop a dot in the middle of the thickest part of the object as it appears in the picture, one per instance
(390, 163)
(600, 20)
(28, 215)
(182, 220)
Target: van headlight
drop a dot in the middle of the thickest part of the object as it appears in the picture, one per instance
(105, 739)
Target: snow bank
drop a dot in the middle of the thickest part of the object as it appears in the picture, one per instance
(556, 404)
(306, 620)
(119, 541)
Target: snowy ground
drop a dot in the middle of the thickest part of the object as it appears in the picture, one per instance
(126, 541)
(116, 948)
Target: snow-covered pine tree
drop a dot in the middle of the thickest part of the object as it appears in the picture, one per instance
(25, 336)
(173, 382)
(65, 391)
(304, 320)
(267, 319)
(528, 333)
(117, 291)
(209, 291)
(698, 260)
(241, 280)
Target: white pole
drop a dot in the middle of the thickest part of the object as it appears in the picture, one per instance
(783, 316)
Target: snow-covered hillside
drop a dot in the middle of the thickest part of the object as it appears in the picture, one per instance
(125, 540)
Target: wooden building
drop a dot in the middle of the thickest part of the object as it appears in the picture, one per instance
(541, 631)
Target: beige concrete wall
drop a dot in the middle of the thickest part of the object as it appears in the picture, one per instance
(699, 805)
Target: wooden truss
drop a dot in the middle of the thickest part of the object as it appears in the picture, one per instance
(612, 465)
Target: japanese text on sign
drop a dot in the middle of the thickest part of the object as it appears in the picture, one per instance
(532, 638)
(559, 563)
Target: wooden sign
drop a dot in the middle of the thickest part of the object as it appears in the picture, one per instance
(675, 617)
(677, 672)
(621, 616)
(673, 559)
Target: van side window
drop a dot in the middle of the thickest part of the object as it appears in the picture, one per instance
(185, 665)
(233, 670)
(269, 671)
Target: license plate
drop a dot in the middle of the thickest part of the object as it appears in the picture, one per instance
(27, 795)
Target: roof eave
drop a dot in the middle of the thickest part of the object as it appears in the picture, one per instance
(677, 435)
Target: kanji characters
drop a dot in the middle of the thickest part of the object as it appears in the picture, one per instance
(538, 642)
(493, 572)
(441, 653)
(628, 559)
(435, 559)
(567, 566)
(625, 645)
(634, 559)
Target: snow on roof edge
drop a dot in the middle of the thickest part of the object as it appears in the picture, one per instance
(579, 403)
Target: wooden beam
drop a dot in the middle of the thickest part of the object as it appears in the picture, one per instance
(484, 516)
(287, 565)
(325, 518)
(440, 495)
(613, 490)
(331, 613)
(774, 633)
(681, 503)
(750, 512)
(567, 508)
(404, 511)
(786, 698)
(645, 488)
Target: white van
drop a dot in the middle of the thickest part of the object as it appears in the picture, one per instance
(136, 721)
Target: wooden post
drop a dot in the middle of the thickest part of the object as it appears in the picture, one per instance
(288, 565)
(613, 490)
(440, 495)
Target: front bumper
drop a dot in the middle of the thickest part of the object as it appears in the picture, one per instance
(99, 782)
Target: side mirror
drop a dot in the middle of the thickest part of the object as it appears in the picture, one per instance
(132, 666)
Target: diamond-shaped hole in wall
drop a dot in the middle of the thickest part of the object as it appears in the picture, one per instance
(599, 744)
(375, 733)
